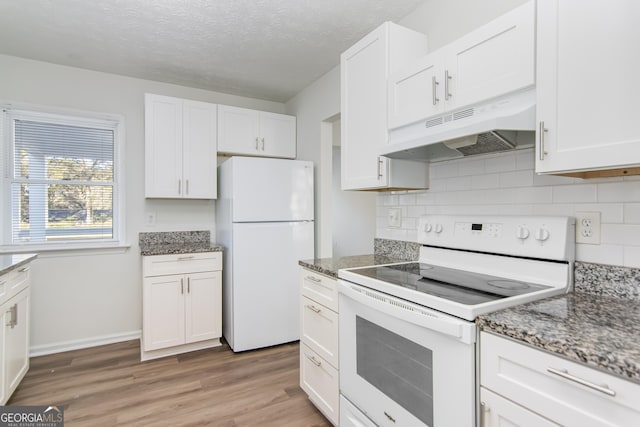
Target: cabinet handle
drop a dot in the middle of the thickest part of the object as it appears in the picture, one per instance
(483, 412)
(263, 144)
(314, 279)
(22, 270)
(379, 168)
(434, 86)
(13, 319)
(182, 286)
(187, 185)
(179, 186)
(314, 361)
(185, 258)
(447, 79)
(563, 373)
(257, 144)
(313, 308)
(542, 131)
(188, 285)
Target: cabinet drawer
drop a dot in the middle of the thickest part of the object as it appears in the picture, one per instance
(320, 329)
(13, 282)
(497, 411)
(320, 381)
(548, 385)
(160, 265)
(319, 288)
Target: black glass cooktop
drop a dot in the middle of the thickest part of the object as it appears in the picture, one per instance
(456, 285)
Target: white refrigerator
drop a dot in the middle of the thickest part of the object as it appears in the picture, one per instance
(264, 219)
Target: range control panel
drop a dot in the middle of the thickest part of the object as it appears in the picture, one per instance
(549, 237)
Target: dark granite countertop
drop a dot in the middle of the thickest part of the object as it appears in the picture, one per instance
(176, 242)
(11, 262)
(330, 266)
(600, 331)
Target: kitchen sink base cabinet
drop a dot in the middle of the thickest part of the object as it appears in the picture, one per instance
(15, 295)
(319, 369)
(182, 303)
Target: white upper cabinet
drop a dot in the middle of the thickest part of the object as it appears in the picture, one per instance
(588, 87)
(256, 133)
(494, 60)
(365, 68)
(180, 148)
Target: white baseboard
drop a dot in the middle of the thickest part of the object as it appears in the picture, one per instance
(59, 347)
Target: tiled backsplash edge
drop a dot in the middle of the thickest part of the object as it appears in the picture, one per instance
(399, 249)
(173, 237)
(607, 280)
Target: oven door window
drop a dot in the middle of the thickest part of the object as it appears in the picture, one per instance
(397, 367)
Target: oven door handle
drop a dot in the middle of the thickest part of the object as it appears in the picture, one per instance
(418, 315)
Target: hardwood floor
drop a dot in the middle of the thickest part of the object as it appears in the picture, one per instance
(109, 386)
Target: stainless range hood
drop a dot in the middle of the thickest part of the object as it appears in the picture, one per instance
(502, 124)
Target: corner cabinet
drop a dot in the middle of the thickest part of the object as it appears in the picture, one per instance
(588, 88)
(364, 69)
(182, 303)
(256, 133)
(15, 292)
(319, 367)
(523, 386)
(180, 148)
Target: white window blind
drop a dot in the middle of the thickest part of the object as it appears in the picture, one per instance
(62, 186)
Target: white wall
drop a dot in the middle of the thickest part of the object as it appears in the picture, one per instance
(504, 184)
(316, 107)
(79, 298)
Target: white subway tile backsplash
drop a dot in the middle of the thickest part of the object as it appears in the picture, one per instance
(501, 163)
(625, 191)
(578, 193)
(631, 213)
(516, 179)
(506, 184)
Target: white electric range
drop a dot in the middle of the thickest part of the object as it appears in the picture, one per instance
(407, 331)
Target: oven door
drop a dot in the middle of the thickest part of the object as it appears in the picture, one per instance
(402, 364)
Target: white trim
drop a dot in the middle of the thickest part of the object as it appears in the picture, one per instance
(178, 349)
(49, 251)
(59, 347)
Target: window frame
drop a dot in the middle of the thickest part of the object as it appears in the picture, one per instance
(115, 122)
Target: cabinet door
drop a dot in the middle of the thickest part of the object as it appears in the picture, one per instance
(277, 135)
(416, 92)
(587, 85)
(203, 306)
(199, 150)
(238, 130)
(5, 317)
(364, 111)
(496, 411)
(493, 60)
(16, 344)
(163, 146)
(163, 311)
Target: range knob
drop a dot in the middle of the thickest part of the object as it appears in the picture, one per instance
(542, 234)
(522, 233)
(438, 228)
(427, 228)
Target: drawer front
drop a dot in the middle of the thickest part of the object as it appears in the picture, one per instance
(160, 265)
(319, 288)
(14, 282)
(549, 385)
(496, 411)
(320, 329)
(320, 381)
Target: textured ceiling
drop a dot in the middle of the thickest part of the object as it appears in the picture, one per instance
(268, 49)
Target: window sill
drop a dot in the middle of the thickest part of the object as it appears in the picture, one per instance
(67, 249)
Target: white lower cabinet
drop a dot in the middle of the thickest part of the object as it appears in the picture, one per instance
(181, 311)
(524, 386)
(319, 369)
(15, 296)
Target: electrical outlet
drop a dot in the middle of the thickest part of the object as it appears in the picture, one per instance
(395, 217)
(588, 227)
